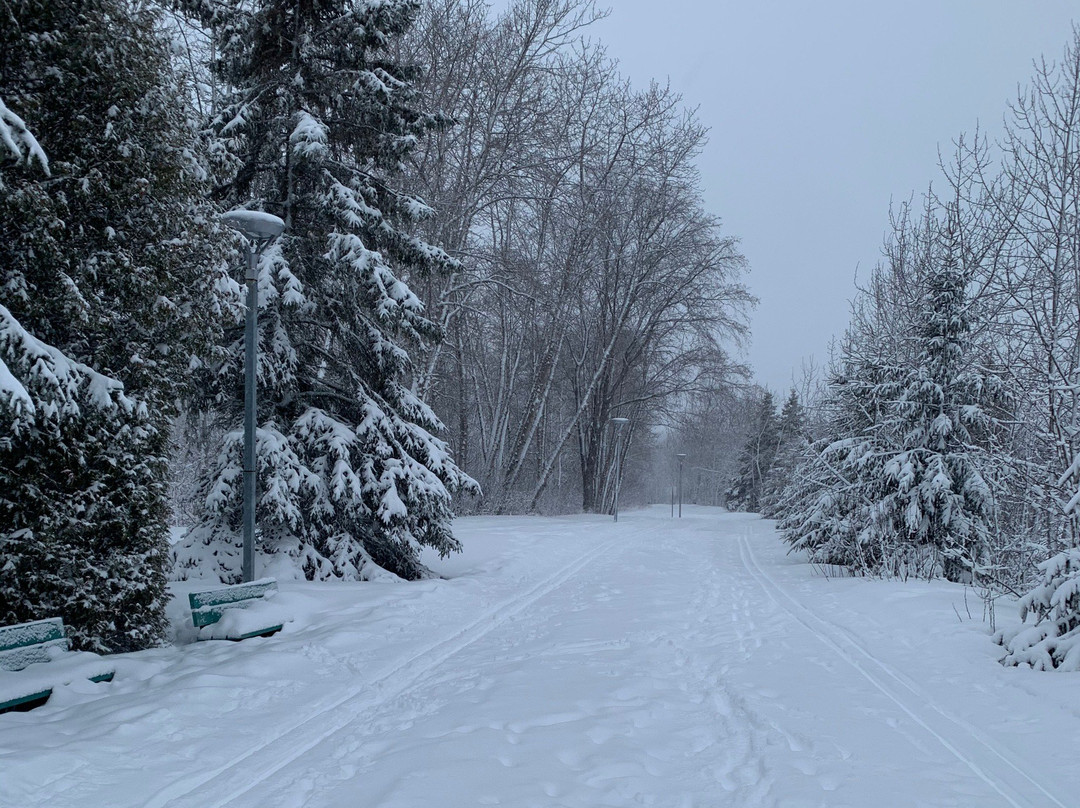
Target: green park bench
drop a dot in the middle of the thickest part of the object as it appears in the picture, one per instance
(226, 613)
(36, 657)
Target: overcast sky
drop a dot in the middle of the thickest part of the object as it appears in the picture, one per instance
(821, 114)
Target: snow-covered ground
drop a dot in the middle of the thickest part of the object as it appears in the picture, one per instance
(573, 662)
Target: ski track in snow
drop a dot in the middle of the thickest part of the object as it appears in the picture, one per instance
(724, 759)
(571, 663)
(1013, 783)
(339, 714)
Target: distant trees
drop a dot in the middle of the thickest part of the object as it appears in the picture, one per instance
(756, 459)
(790, 446)
(593, 282)
(769, 455)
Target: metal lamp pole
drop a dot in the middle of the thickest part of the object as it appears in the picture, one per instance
(259, 230)
(619, 424)
(681, 457)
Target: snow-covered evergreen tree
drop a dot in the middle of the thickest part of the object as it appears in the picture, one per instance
(107, 290)
(899, 487)
(1050, 636)
(756, 459)
(790, 448)
(934, 493)
(318, 121)
(824, 509)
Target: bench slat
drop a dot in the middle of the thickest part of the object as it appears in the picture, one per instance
(26, 702)
(231, 594)
(15, 659)
(35, 633)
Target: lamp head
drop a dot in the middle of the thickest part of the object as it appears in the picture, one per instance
(254, 224)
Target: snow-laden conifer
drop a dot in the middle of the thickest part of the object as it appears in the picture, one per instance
(824, 509)
(317, 122)
(790, 448)
(899, 485)
(108, 287)
(933, 494)
(1050, 636)
(756, 458)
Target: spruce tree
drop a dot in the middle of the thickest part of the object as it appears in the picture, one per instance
(933, 493)
(1050, 636)
(791, 445)
(824, 509)
(1049, 639)
(107, 278)
(318, 121)
(899, 485)
(756, 458)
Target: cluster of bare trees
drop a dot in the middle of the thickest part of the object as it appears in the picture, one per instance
(593, 284)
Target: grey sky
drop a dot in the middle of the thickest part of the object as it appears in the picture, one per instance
(821, 114)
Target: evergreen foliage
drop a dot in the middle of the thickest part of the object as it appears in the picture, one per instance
(791, 445)
(899, 486)
(756, 459)
(108, 289)
(1050, 638)
(316, 123)
(824, 509)
(934, 493)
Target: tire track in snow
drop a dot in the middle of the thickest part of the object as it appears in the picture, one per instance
(900, 691)
(339, 714)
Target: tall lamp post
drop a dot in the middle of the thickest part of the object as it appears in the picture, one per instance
(619, 424)
(259, 230)
(682, 457)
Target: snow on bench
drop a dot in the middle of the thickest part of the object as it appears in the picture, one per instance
(236, 612)
(37, 657)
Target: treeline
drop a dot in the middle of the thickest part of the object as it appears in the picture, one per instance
(487, 228)
(593, 281)
(948, 440)
(589, 279)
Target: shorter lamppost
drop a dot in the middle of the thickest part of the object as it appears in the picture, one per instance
(619, 424)
(259, 230)
(682, 457)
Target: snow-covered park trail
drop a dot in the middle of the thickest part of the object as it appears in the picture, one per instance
(573, 662)
(1009, 779)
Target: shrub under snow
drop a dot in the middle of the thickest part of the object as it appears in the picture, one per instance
(1050, 637)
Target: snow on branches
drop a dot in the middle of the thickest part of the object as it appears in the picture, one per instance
(1050, 638)
(351, 476)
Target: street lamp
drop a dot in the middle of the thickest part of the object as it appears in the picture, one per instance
(619, 424)
(682, 457)
(259, 230)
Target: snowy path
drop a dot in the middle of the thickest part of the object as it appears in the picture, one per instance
(573, 662)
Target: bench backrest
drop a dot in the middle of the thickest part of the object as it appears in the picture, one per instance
(26, 643)
(207, 607)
